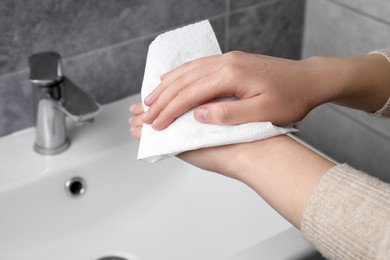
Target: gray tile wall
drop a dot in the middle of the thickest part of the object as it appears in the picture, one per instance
(274, 29)
(344, 28)
(104, 43)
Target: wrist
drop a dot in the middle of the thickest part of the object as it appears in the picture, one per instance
(255, 159)
(373, 73)
(361, 82)
(328, 79)
(283, 172)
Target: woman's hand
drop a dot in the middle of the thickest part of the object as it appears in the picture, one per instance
(267, 89)
(210, 159)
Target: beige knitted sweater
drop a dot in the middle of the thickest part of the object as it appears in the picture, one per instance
(348, 214)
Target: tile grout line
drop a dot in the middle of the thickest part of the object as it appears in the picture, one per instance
(227, 20)
(360, 12)
(248, 8)
(303, 30)
(226, 15)
(140, 38)
(13, 73)
(115, 45)
(229, 12)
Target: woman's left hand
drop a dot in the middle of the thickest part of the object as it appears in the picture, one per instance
(210, 159)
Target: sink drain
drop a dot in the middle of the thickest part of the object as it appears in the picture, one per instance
(75, 186)
(112, 258)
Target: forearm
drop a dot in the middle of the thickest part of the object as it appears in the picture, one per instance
(282, 171)
(361, 82)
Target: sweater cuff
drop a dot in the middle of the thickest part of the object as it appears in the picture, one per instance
(385, 110)
(348, 215)
(384, 52)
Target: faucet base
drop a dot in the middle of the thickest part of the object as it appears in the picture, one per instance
(51, 151)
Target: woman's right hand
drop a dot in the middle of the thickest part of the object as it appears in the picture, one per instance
(267, 89)
(271, 89)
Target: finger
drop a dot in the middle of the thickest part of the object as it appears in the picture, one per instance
(235, 112)
(211, 86)
(181, 82)
(189, 65)
(171, 76)
(136, 132)
(135, 121)
(136, 109)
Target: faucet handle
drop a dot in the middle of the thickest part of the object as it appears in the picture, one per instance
(77, 104)
(45, 68)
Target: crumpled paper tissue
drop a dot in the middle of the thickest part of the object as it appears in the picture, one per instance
(165, 53)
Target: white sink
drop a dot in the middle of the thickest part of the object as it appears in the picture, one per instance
(168, 210)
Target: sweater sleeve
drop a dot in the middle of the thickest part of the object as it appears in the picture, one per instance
(385, 110)
(348, 215)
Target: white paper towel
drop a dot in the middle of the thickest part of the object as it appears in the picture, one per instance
(166, 52)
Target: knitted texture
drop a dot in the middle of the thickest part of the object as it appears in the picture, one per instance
(385, 110)
(383, 52)
(348, 215)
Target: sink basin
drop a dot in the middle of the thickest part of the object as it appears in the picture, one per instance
(129, 209)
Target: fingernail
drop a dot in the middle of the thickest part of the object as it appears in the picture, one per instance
(156, 123)
(132, 107)
(163, 76)
(145, 117)
(202, 114)
(149, 98)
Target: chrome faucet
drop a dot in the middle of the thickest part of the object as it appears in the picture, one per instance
(54, 97)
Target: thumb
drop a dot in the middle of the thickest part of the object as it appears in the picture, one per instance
(230, 112)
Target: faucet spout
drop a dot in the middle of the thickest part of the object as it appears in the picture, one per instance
(54, 97)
